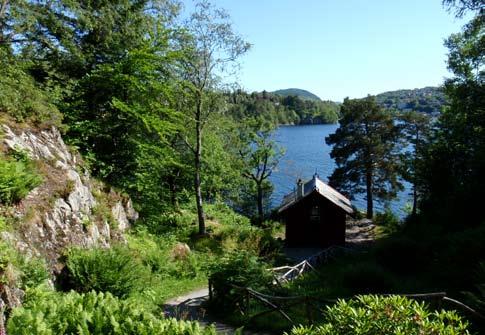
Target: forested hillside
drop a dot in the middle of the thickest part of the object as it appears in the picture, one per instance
(303, 94)
(283, 109)
(427, 100)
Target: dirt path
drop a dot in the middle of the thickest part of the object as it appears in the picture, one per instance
(190, 306)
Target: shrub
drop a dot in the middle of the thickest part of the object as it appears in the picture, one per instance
(241, 269)
(17, 179)
(388, 221)
(366, 278)
(403, 255)
(112, 270)
(373, 315)
(20, 271)
(21, 98)
(93, 314)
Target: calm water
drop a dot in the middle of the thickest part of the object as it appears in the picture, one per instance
(307, 152)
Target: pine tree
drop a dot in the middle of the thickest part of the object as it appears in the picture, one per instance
(365, 151)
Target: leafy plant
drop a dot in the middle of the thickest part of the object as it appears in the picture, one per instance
(239, 268)
(20, 271)
(93, 314)
(388, 221)
(403, 255)
(17, 179)
(374, 315)
(112, 270)
(23, 98)
(366, 278)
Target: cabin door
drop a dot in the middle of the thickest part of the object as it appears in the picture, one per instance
(315, 226)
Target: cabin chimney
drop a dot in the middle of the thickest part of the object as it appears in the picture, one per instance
(299, 189)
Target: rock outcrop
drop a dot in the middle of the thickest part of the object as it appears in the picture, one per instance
(69, 208)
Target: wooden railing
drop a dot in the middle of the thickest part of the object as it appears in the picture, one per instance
(284, 274)
(311, 305)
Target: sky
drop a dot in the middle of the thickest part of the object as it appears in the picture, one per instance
(341, 48)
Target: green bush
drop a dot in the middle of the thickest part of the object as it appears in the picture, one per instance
(17, 179)
(241, 269)
(20, 271)
(366, 278)
(21, 97)
(374, 315)
(388, 221)
(403, 255)
(112, 270)
(93, 314)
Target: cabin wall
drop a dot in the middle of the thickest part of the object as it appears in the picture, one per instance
(308, 227)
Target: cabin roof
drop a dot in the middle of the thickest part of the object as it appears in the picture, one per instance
(315, 184)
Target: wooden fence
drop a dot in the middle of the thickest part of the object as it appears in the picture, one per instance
(284, 274)
(311, 305)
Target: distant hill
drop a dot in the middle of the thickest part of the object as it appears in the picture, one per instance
(427, 100)
(303, 94)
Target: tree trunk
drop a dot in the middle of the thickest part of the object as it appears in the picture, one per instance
(415, 200)
(197, 179)
(173, 192)
(370, 201)
(260, 203)
(415, 193)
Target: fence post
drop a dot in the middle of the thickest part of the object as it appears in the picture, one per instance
(248, 303)
(308, 310)
(210, 290)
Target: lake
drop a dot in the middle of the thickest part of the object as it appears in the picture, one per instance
(307, 152)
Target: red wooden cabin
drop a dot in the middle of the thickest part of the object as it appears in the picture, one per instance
(315, 215)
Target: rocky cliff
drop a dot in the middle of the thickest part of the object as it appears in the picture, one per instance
(69, 208)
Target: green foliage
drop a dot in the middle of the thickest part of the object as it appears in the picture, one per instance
(17, 270)
(367, 278)
(105, 270)
(374, 315)
(17, 178)
(286, 109)
(427, 100)
(388, 221)
(238, 268)
(403, 255)
(22, 98)
(93, 314)
(303, 94)
(260, 155)
(455, 160)
(415, 128)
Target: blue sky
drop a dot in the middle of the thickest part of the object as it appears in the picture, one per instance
(340, 48)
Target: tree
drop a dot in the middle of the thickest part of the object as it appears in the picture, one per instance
(122, 120)
(71, 37)
(415, 130)
(260, 156)
(212, 49)
(462, 6)
(365, 151)
(454, 170)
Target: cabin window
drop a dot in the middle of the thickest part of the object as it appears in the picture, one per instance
(315, 214)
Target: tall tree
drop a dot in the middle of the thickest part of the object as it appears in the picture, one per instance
(455, 163)
(212, 51)
(365, 151)
(260, 155)
(415, 130)
(72, 36)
